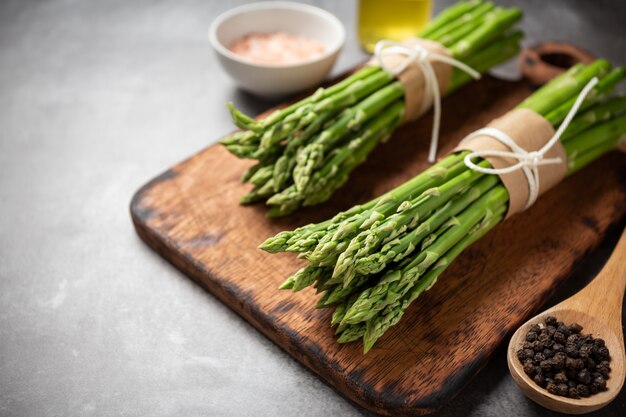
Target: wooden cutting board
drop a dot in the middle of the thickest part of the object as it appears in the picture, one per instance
(190, 215)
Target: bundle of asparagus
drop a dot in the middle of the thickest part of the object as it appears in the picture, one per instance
(307, 150)
(372, 261)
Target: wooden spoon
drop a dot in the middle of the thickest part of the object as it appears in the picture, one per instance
(598, 308)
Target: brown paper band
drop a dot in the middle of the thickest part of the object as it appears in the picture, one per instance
(413, 78)
(531, 132)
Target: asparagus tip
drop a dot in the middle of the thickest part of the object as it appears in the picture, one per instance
(287, 285)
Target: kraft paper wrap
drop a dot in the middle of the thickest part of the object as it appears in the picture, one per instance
(413, 79)
(530, 131)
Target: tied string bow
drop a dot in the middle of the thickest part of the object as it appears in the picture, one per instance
(529, 161)
(420, 55)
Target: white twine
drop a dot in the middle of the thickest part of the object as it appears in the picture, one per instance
(420, 55)
(529, 162)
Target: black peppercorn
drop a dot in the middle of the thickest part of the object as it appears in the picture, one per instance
(604, 372)
(539, 380)
(586, 349)
(583, 390)
(571, 373)
(584, 376)
(529, 369)
(557, 365)
(559, 338)
(563, 329)
(600, 382)
(603, 352)
(563, 360)
(546, 365)
(575, 328)
(571, 350)
(560, 378)
(562, 389)
(569, 364)
(578, 364)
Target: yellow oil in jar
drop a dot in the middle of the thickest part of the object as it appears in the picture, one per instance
(391, 19)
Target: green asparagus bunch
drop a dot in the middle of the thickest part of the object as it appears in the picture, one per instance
(307, 150)
(372, 261)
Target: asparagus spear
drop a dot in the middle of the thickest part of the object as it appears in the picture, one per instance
(566, 88)
(495, 24)
(507, 47)
(449, 15)
(605, 86)
(596, 141)
(603, 111)
(467, 19)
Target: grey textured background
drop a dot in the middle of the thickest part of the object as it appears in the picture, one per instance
(96, 98)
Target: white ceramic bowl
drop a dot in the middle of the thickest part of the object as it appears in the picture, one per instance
(275, 16)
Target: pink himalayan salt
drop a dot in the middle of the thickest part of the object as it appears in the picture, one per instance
(277, 48)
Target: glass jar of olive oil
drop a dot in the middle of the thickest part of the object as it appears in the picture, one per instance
(391, 19)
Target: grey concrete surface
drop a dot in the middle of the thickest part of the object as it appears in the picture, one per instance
(97, 97)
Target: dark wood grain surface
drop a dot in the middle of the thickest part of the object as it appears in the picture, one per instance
(190, 216)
